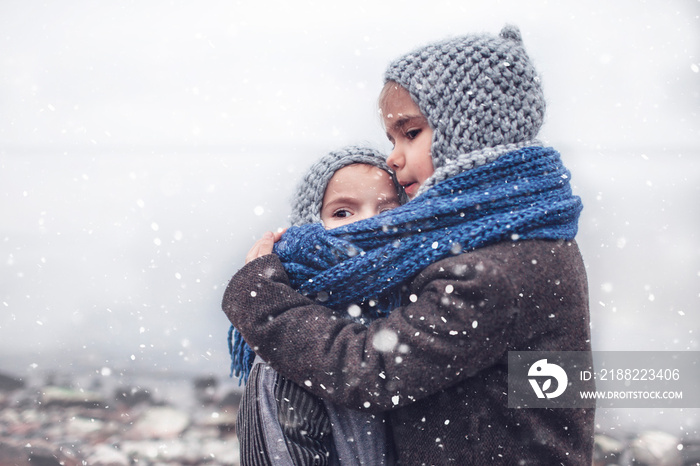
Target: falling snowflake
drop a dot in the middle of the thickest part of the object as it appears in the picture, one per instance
(385, 340)
(354, 310)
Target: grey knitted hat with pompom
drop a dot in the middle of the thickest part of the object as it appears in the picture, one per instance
(478, 92)
(308, 199)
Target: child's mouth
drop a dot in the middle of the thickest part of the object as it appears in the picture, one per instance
(410, 188)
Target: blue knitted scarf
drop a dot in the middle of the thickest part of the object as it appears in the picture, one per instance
(524, 194)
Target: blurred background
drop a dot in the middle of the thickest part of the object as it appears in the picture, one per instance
(144, 146)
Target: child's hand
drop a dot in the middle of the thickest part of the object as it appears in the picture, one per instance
(264, 245)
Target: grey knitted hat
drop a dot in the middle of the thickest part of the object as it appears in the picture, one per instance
(308, 199)
(478, 92)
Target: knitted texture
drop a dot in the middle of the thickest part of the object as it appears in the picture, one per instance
(477, 92)
(471, 160)
(306, 208)
(524, 194)
(308, 198)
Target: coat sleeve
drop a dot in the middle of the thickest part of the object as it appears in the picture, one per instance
(454, 325)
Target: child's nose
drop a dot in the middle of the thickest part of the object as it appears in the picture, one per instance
(395, 159)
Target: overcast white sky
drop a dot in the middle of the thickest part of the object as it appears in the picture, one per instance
(143, 145)
(223, 73)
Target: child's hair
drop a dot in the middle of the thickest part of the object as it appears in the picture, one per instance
(308, 199)
(478, 92)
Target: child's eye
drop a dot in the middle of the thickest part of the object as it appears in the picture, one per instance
(413, 133)
(342, 213)
(388, 207)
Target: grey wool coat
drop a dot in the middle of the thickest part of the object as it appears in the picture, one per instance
(437, 366)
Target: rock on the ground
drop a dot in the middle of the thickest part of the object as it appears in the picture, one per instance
(607, 450)
(64, 397)
(9, 384)
(160, 422)
(655, 448)
(106, 455)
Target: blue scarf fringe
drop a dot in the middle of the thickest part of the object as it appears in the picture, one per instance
(525, 194)
(242, 355)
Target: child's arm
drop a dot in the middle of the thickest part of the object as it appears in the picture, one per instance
(468, 311)
(396, 360)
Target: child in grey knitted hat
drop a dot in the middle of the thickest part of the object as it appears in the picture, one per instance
(342, 187)
(308, 202)
(463, 115)
(471, 99)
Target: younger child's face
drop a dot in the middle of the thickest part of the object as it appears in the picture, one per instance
(409, 132)
(357, 192)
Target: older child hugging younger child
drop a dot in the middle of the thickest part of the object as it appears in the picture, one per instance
(484, 255)
(279, 422)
